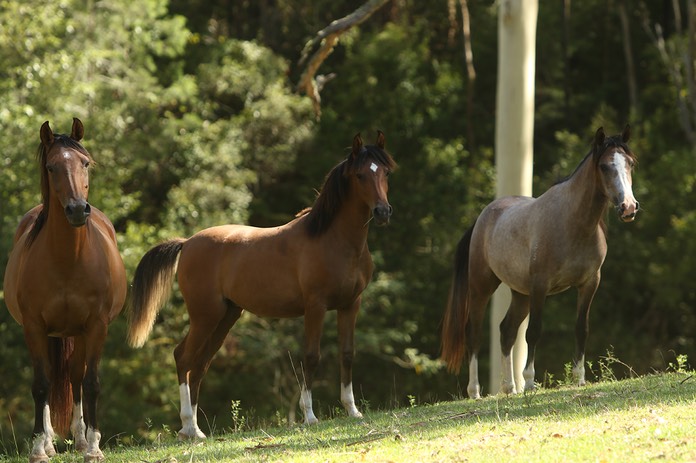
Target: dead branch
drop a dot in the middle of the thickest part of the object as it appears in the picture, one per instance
(328, 38)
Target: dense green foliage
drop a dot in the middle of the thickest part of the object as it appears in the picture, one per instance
(191, 113)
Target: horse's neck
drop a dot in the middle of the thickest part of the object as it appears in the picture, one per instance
(66, 241)
(582, 199)
(351, 224)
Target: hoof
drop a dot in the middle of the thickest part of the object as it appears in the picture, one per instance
(474, 392)
(94, 456)
(81, 446)
(38, 458)
(507, 388)
(312, 420)
(356, 414)
(188, 436)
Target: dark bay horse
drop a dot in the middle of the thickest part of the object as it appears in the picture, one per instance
(64, 283)
(319, 261)
(537, 247)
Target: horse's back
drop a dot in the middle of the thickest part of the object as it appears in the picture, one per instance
(274, 272)
(254, 268)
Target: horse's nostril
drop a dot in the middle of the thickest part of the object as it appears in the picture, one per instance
(88, 209)
(637, 205)
(391, 209)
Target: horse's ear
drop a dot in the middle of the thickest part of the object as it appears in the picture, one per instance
(78, 130)
(357, 145)
(46, 134)
(380, 139)
(598, 138)
(626, 134)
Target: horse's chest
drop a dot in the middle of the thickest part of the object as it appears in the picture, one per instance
(344, 284)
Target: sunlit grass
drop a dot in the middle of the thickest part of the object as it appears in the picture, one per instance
(650, 418)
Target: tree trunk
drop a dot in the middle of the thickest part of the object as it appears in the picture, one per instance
(514, 133)
(628, 56)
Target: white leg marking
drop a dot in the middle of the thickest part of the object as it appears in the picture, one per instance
(78, 428)
(348, 401)
(42, 447)
(528, 375)
(93, 453)
(474, 387)
(306, 406)
(507, 383)
(579, 371)
(188, 415)
(49, 433)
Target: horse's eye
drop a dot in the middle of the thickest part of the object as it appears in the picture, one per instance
(85, 164)
(359, 176)
(49, 169)
(604, 168)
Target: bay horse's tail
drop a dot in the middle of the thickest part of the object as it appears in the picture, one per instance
(152, 285)
(453, 342)
(60, 398)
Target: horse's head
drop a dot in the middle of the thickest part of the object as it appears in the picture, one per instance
(615, 162)
(65, 171)
(368, 173)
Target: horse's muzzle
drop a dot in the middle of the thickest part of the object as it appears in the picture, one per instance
(627, 212)
(382, 213)
(77, 212)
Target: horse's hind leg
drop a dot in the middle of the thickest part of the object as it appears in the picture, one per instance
(481, 287)
(585, 295)
(346, 331)
(536, 304)
(210, 324)
(77, 374)
(509, 327)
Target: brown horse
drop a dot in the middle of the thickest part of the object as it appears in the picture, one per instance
(316, 262)
(537, 247)
(64, 283)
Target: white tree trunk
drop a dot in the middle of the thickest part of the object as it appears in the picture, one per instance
(514, 130)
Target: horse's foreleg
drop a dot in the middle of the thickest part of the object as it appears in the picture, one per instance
(313, 326)
(346, 330)
(91, 387)
(509, 327)
(42, 446)
(582, 327)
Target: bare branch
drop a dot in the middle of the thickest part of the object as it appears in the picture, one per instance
(328, 37)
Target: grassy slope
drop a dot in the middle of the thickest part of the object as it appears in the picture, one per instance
(652, 418)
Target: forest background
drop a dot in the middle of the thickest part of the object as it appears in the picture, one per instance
(192, 113)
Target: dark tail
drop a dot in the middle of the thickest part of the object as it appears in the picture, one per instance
(457, 312)
(152, 285)
(60, 398)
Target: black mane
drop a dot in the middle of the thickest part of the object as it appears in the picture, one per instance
(335, 189)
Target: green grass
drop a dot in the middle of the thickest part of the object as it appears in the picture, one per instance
(646, 419)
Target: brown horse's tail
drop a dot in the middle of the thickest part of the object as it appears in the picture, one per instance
(152, 285)
(457, 312)
(60, 398)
